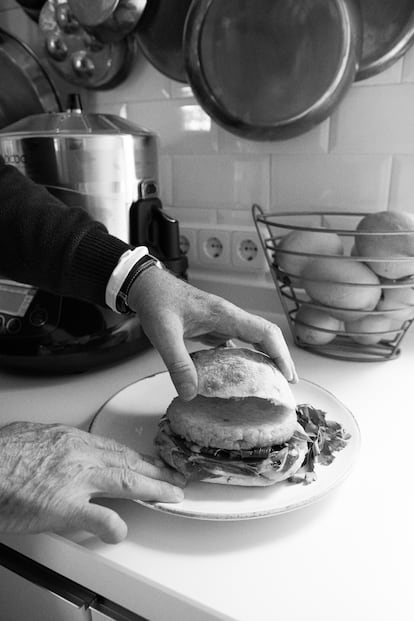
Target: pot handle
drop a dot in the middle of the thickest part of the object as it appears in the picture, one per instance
(151, 226)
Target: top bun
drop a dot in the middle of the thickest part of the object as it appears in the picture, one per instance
(228, 372)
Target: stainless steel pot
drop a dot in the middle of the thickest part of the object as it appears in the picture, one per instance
(103, 163)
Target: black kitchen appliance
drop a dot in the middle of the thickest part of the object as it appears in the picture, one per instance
(108, 166)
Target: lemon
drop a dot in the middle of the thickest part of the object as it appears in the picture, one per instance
(305, 244)
(384, 246)
(343, 285)
(369, 330)
(315, 327)
(398, 301)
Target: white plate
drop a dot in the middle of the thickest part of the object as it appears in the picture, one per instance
(131, 416)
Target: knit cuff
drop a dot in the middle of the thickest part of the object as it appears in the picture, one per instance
(92, 264)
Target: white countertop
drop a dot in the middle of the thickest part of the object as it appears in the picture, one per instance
(348, 556)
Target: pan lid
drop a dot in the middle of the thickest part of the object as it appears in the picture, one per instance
(73, 121)
(271, 69)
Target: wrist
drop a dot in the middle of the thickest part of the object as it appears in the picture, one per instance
(145, 263)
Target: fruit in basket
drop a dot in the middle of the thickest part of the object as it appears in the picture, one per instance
(315, 327)
(343, 285)
(398, 302)
(307, 243)
(369, 330)
(387, 246)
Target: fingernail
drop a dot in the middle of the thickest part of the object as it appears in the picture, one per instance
(178, 494)
(179, 479)
(187, 391)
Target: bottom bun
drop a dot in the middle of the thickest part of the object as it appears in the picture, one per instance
(281, 463)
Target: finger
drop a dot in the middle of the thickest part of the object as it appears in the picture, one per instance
(259, 332)
(103, 522)
(124, 483)
(140, 464)
(213, 339)
(173, 351)
(274, 344)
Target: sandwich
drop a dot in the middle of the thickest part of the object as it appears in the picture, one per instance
(242, 428)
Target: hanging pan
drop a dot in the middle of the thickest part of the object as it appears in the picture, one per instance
(271, 69)
(25, 86)
(32, 8)
(160, 36)
(78, 56)
(388, 32)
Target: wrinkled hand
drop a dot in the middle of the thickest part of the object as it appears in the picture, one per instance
(49, 474)
(171, 310)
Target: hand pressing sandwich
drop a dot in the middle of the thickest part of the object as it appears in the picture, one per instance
(244, 427)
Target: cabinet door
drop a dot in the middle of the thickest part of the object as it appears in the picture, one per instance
(21, 599)
(104, 610)
(31, 592)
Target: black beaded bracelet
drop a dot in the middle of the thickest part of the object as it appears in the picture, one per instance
(140, 266)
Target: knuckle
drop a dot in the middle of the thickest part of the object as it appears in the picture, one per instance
(128, 480)
(179, 367)
(272, 328)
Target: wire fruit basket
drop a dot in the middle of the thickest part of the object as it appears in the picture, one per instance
(339, 303)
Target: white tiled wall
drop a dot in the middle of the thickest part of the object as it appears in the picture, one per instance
(362, 158)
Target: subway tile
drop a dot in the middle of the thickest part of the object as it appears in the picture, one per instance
(182, 126)
(377, 119)
(181, 90)
(330, 182)
(408, 66)
(104, 107)
(220, 181)
(391, 75)
(165, 178)
(235, 218)
(402, 184)
(193, 217)
(315, 140)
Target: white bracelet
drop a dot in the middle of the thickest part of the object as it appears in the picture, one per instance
(121, 271)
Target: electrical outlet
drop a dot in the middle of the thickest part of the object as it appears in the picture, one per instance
(214, 248)
(188, 245)
(247, 251)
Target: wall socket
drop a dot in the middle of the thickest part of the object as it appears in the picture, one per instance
(223, 248)
(247, 252)
(214, 248)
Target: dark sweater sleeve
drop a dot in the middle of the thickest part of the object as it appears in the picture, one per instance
(52, 246)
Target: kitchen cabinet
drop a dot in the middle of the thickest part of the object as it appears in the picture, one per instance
(30, 591)
(104, 610)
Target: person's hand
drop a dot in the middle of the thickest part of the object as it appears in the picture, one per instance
(171, 310)
(50, 473)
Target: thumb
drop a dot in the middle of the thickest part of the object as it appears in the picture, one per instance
(170, 344)
(105, 523)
